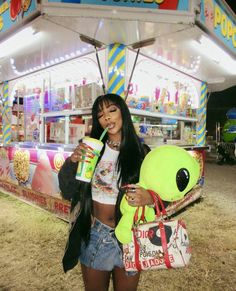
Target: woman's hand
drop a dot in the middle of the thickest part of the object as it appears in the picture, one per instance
(138, 196)
(81, 152)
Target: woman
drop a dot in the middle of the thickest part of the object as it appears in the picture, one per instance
(95, 205)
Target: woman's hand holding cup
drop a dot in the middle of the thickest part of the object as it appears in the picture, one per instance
(87, 154)
(81, 152)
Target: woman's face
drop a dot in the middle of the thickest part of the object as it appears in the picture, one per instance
(109, 116)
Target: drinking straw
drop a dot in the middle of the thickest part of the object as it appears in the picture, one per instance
(103, 134)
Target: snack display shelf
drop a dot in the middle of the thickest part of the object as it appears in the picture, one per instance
(146, 113)
(81, 111)
(44, 146)
(138, 112)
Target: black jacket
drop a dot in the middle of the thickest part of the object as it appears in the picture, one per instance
(71, 190)
(68, 185)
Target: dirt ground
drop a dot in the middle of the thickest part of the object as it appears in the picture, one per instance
(32, 243)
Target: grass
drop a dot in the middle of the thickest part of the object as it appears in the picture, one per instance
(32, 244)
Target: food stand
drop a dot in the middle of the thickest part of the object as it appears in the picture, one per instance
(48, 86)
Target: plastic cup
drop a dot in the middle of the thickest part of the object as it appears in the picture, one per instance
(85, 169)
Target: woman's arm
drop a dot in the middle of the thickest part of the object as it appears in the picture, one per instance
(68, 185)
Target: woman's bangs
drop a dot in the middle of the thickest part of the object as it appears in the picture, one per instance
(107, 101)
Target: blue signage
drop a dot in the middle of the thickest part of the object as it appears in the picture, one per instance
(182, 5)
(217, 18)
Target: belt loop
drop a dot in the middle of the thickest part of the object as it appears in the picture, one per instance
(97, 224)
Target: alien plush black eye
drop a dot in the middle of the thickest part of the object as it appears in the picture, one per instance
(182, 179)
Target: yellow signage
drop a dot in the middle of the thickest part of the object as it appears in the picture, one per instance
(224, 25)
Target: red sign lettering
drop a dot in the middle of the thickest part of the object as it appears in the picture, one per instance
(59, 206)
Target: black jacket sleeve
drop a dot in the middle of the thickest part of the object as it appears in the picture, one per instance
(146, 149)
(68, 185)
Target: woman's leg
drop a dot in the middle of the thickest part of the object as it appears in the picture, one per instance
(95, 280)
(123, 282)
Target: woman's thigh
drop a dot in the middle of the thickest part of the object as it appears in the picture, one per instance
(123, 282)
(95, 280)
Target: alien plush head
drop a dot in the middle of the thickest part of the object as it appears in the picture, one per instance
(170, 171)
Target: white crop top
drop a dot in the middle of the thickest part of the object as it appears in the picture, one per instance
(104, 181)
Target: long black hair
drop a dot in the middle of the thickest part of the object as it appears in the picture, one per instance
(130, 156)
(131, 150)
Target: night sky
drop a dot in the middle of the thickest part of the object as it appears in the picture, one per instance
(232, 4)
(220, 102)
(218, 105)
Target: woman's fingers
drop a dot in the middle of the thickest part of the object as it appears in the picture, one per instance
(132, 195)
(138, 196)
(81, 152)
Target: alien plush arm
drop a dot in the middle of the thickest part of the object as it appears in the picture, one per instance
(123, 231)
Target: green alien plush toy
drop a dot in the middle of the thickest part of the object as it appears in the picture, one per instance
(168, 170)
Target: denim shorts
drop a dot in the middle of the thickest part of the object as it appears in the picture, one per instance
(103, 251)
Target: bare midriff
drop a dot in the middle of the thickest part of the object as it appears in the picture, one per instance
(105, 213)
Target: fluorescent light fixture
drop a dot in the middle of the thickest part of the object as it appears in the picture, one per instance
(211, 50)
(216, 80)
(18, 41)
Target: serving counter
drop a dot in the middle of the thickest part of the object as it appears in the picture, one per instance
(29, 171)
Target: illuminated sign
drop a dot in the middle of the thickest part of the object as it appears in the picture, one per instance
(218, 19)
(224, 25)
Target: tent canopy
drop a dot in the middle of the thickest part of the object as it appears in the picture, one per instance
(176, 38)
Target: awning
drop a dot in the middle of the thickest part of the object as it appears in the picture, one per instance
(177, 35)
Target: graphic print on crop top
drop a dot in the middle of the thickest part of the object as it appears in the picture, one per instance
(104, 182)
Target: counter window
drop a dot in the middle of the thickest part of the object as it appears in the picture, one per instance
(157, 131)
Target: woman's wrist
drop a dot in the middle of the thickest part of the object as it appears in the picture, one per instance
(73, 159)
